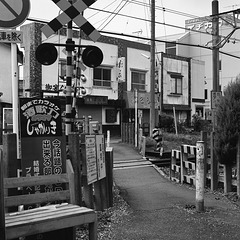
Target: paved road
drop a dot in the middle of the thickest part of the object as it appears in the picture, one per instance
(163, 209)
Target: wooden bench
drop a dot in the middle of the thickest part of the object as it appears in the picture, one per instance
(46, 218)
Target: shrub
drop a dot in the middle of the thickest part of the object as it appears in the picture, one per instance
(166, 122)
(228, 124)
(196, 122)
(200, 124)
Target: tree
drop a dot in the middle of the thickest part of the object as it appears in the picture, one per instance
(228, 124)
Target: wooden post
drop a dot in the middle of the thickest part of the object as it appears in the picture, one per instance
(123, 132)
(184, 158)
(98, 199)
(109, 173)
(87, 189)
(238, 167)
(214, 165)
(11, 164)
(200, 162)
(2, 212)
(74, 150)
(227, 178)
(101, 201)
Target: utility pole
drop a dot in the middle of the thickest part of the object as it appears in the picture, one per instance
(152, 63)
(215, 51)
(215, 75)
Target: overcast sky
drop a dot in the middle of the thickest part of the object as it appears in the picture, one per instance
(177, 11)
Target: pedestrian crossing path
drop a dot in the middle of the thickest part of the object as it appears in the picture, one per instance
(127, 164)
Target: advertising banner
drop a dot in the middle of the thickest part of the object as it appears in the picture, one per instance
(40, 117)
(43, 148)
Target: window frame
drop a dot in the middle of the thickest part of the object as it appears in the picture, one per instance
(138, 85)
(175, 79)
(171, 48)
(102, 80)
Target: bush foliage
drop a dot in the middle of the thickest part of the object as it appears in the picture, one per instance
(228, 124)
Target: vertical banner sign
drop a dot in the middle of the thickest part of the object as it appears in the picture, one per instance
(121, 69)
(100, 148)
(43, 146)
(91, 162)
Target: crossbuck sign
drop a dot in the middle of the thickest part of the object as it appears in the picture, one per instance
(71, 12)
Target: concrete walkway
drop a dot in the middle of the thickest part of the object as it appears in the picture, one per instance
(165, 210)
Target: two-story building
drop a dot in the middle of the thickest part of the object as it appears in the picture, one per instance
(101, 90)
(196, 43)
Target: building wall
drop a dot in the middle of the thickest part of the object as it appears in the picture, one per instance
(138, 60)
(110, 52)
(174, 65)
(5, 74)
(197, 86)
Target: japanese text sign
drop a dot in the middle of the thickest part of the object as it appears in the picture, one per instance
(40, 117)
(11, 36)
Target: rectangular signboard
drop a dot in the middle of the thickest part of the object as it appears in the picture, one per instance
(215, 98)
(40, 117)
(43, 156)
(91, 161)
(43, 148)
(100, 149)
(11, 36)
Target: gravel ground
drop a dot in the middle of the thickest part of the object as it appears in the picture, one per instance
(109, 219)
(115, 222)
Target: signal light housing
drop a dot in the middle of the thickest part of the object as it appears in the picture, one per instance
(46, 54)
(92, 56)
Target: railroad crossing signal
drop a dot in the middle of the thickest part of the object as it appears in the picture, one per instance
(71, 12)
(47, 54)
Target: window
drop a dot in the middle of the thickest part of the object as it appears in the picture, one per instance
(102, 77)
(176, 83)
(171, 48)
(138, 80)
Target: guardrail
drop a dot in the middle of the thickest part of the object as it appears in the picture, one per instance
(183, 168)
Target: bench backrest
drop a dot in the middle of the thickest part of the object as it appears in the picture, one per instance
(37, 198)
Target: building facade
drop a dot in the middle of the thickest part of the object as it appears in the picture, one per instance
(196, 43)
(100, 91)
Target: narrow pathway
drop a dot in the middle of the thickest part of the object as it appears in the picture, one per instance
(166, 210)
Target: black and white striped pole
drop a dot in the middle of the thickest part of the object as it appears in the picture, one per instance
(71, 12)
(69, 74)
(157, 136)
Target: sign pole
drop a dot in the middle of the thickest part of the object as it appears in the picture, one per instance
(152, 73)
(15, 76)
(136, 116)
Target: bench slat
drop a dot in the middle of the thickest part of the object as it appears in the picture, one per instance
(35, 180)
(37, 198)
(63, 217)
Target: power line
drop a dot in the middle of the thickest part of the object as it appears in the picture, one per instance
(160, 23)
(144, 38)
(163, 41)
(115, 14)
(164, 9)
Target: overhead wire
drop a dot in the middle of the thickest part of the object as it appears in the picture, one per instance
(99, 11)
(143, 38)
(165, 9)
(111, 13)
(161, 23)
(114, 14)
